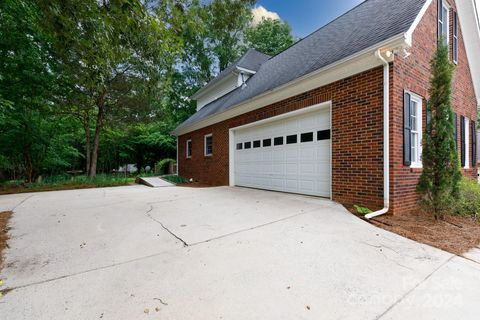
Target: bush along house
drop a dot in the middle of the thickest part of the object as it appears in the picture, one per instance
(341, 113)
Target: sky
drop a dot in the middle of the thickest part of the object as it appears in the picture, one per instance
(306, 16)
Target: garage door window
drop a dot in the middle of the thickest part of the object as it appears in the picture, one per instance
(292, 139)
(267, 142)
(323, 135)
(256, 144)
(278, 141)
(306, 137)
(248, 145)
(239, 146)
(208, 145)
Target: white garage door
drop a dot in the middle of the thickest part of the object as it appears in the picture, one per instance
(291, 154)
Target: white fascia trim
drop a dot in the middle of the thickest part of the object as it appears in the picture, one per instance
(359, 62)
(246, 70)
(409, 33)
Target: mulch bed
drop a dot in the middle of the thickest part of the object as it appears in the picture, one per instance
(4, 217)
(455, 234)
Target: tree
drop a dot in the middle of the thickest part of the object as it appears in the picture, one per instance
(270, 36)
(226, 22)
(115, 54)
(30, 137)
(438, 185)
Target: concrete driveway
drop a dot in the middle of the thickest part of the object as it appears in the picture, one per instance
(219, 253)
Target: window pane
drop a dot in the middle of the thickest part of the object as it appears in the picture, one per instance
(323, 135)
(256, 144)
(414, 147)
(306, 137)
(248, 145)
(278, 141)
(208, 145)
(189, 148)
(239, 146)
(267, 142)
(292, 139)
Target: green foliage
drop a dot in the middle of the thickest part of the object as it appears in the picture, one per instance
(99, 84)
(175, 179)
(438, 185)
(362, 210)
(162, 165)
(270, 36)
(468, 203)
(59, 182)
(226, 22)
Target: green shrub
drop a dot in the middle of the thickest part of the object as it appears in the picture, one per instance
(175, 179)
(162, 165)
(362, 210)
(469, 201)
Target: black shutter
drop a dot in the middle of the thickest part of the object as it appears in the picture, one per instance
(455, 130)
(462, 137)
(474, 143)
(407, 128)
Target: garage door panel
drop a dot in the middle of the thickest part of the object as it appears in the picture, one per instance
(301, 167)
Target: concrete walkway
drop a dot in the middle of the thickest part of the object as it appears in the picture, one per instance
(154, 182)
(219, 253)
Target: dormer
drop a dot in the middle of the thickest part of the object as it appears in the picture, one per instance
(234, 76)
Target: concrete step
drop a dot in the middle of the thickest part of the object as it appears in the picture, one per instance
(154, 182)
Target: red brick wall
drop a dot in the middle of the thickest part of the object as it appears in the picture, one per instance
(357, 138)
(357, 126)
(413, 73)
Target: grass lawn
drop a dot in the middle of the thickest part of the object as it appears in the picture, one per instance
(63, 182)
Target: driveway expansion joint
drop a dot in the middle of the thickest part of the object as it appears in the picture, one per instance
(415, 287)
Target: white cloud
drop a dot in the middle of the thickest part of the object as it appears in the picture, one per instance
(260, 12)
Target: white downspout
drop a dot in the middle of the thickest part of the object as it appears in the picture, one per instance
(386, 138)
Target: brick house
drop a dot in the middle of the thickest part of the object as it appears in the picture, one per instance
(341, 113)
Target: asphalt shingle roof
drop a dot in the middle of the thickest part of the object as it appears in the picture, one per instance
(371, 22)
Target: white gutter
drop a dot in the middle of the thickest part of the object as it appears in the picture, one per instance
(386, 136)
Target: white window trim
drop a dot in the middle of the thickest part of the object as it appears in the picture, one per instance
(455, 40)
(205, 145)
(189, 141)
(417, 163)
(467, 143)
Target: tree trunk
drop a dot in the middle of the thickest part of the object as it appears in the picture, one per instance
(96, 138)
(28, 164)
(86, 126)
